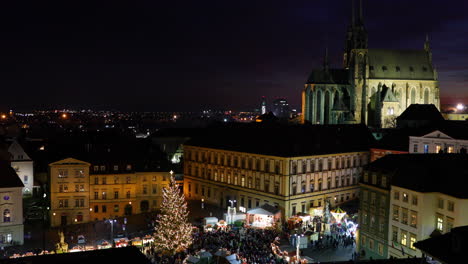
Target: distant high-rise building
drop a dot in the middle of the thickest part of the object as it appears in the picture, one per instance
(281, 108)
(263, 107)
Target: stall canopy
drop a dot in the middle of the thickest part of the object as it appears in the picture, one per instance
(265, 209)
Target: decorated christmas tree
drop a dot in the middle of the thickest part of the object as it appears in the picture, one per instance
(173, 231)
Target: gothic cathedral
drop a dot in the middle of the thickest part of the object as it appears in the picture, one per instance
(373, 87)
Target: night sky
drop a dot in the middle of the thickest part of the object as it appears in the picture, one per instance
(191, 55)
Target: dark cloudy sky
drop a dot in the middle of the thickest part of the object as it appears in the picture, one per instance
(188, 55)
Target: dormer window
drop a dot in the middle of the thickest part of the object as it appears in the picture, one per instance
(397, 68)
(384, 68)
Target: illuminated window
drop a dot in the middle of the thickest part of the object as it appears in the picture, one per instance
(243, 181)
(412, 241)
(438, 148)
(62, 173)
(450, 149)
(6, 215)
(440, 223)
(426, 148)
(390, 111)
(404, 238)
(405, 197)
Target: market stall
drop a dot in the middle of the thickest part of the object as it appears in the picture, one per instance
(121, 242)
(263, 216)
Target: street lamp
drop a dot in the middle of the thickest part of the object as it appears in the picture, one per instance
(112, 221)
(232, 202)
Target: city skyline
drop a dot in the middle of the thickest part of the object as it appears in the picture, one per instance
(173, 57)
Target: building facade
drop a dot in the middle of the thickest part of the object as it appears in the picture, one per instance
(293, 184)
(11, 207)
(436, 142)
(373, 215)
(83, 192)
(373, 87)
(23, 165)
(405, 200)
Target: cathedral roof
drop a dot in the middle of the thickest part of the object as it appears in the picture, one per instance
(332, 76)
(400, 64)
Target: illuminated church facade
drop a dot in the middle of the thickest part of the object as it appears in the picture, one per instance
(374, 86)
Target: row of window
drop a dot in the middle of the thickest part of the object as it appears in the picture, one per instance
(370, 222)
(379, 180)
(237, 181)
(405, 197)
(403, 237)
(78, 188)
(371, 245)
(438, 149)
(102, 168)
(128, 179)
(444, 226)
(305, 166)
(116, 195)
(339, 182)
(336, 199)
(78, 173)
(398, 69)
(401, 214)
(63, 203)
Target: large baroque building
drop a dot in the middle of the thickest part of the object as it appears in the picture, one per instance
(295, 169)
(374, 86)
(83, 192)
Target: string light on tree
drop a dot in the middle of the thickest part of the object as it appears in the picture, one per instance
(173, 231)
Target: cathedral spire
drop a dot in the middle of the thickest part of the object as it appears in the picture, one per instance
(361, 18)
(427, 44)
(325, 61)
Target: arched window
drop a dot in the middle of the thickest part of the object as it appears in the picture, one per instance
(413, 96)
(318, 117)
(326, 119)
(426, 96)
(6, 215)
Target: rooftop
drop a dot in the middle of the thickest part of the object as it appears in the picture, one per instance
(8, 176)
(447, 248)
(423, 172)
(286, 140)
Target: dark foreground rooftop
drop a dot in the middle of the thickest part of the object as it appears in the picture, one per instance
(124, 255)
(444, 173)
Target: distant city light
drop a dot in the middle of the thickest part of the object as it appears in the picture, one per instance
(3, 116)
(460, 107)
(64, 115)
